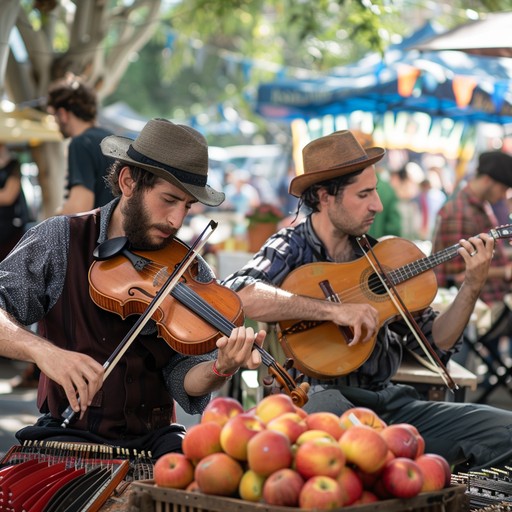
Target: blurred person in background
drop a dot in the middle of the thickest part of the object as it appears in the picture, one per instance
(13, 207)
(468, 212)
(75, 107)
(406, 183)
(387, 222)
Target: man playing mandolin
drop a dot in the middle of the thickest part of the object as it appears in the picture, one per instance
(155, 179)
(343, 308)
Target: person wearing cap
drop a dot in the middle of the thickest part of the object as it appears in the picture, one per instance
(155, 179)
(338, 186)
(470, 211)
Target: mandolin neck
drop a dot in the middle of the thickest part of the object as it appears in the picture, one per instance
(417, 267)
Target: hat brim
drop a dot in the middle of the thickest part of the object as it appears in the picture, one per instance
(300, 183)
(116, 147)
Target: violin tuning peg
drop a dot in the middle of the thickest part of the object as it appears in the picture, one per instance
(288, 364)
(268, 380)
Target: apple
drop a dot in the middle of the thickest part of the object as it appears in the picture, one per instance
(221, 409)
(300, 411)
(402, 478)
(273, 406)
(251, 486)
(319, 456)
(313, 434)
(269, 451)
(419, 438)
(290, 423)
(218, 474)
(192, 487)
(436, 471)
(237, 432)
(321, 493)
(367, 497)
(326, 421)
(401, 441)
(283, 488)
(364, 447)
(201, 439)
(361, 415)
(351, 485)
(173, 470)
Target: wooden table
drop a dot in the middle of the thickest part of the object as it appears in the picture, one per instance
(413, 373)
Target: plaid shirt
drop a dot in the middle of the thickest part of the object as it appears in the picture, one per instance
(464, 216)
(296, 246)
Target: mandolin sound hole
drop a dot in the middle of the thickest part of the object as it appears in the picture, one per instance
(372, 286)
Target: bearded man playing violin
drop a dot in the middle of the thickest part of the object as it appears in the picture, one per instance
(326, 285)
(156, 178)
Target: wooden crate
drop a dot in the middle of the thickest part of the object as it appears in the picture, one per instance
(148, 497)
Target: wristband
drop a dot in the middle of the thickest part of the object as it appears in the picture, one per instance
(219, 374)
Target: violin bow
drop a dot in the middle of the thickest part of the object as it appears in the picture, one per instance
(162, 294)
(391, 290)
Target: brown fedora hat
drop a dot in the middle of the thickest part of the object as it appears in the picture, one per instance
(174, 152)
(332, 156)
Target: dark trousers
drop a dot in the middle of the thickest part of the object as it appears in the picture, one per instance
(163, 440)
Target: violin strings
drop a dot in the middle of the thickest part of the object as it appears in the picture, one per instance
(203, 308)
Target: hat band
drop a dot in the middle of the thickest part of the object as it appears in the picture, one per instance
(185, 177)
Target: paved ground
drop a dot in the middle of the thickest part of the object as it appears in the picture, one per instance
(18, 408)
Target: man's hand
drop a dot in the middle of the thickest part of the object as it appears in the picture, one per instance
(362, 319)
(477, 253)
(80, 376)
(238, 350)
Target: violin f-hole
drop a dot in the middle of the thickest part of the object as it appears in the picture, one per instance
(331, 295)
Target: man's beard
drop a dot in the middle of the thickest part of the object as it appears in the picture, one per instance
(136, 225)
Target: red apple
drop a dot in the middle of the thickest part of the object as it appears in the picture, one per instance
(218, 474)
(367, 497)
(321, 493)
(221, 409)
(269, 451)
(301, 412)
(419, 438)
(251, 486)
(433, 478)
(237, 432)
(319, 456)
(290, 424)
(402, 478)
(351, 485)
(326, 421)
(283, 488)
(364, 447)
(192, 487)
(173, 470)
(401, 441)
(273, 406)
(361, 415)
(201, 440)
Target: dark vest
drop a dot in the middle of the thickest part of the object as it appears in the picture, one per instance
(133, 400)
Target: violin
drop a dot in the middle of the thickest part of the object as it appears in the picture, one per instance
(320, 349)
(194, 315)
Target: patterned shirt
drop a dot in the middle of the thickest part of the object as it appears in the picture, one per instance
(293, 247)
(32, 278)
(464, 216)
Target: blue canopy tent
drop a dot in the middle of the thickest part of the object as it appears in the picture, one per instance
(372, 85)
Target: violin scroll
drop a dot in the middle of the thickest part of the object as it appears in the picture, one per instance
(297, 392)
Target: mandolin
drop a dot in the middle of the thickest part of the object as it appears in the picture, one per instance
(320, 348)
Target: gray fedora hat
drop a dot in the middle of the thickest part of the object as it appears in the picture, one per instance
(174, 152)
(332, 156)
